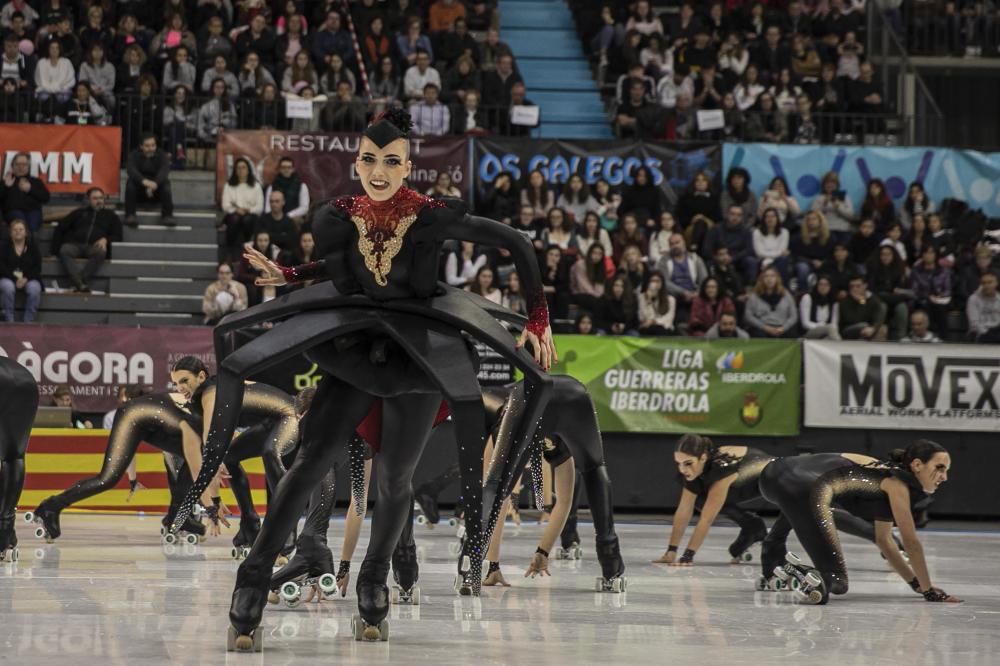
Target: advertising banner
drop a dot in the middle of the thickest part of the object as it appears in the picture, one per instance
(968, 175)
(614, 161)
(57, 458)
(68, 158)
(325, 162)
(675, 385)
(95, 360)
(900, 386)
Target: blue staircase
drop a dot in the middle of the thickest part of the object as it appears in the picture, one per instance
(555, 70)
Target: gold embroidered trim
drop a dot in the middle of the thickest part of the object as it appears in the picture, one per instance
(380, 246)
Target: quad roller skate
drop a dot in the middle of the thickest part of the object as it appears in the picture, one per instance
(405, 572)
(247, 534)
(427, 508)
(806, 582)
(307, 576)
(191, 532)
(612, 568)
(46, 516)
(249, 599)
(304, 590)
(570, 548)
(739, 550)
(8, 540)
(770, 584)
(369, 624)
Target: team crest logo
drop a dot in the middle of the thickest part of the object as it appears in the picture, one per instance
(751, 413)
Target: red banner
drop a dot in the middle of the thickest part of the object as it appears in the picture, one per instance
(95, 360)
(325, 162)
(58, 458)
(68, 158)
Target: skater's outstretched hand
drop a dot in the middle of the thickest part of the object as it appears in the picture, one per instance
(685, 560)
(270, 274)
(543, 348)
(667, 558)
(937, 595)
(539, 566)
(342, 584)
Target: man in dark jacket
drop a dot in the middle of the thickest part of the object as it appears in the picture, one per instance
(737, 238)
(22, 195)
(86, 232)
(277, 224)
(148, 171)
(862, 314)
(20, 269)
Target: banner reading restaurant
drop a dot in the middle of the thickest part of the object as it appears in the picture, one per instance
(675, 385)
(902, 386)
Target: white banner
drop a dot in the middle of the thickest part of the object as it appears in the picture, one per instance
(902, 386)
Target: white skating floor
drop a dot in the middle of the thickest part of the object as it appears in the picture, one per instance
(108, 593)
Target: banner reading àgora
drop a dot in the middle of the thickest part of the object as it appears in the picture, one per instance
(325, 161)
(67, 158)
(904, 386)
(95, 360)
(614, 161)
(671, 385)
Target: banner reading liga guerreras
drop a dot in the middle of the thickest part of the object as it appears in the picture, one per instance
(68, 158)
(727, 387)
(906, 386)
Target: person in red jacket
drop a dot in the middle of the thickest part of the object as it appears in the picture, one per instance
(708, 306)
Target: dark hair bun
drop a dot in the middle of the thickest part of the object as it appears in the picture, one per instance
(398, 117)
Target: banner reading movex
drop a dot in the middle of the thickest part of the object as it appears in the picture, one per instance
(730, 387)
(927, 387)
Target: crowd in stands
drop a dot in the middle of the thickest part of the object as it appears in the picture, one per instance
(793, 71)
(183, 69)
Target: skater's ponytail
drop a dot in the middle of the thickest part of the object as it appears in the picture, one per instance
(922, 450)
(192, 364)
(696, 445)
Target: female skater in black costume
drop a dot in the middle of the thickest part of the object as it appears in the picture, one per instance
(805, 488)
(382, 328)
(18, 404)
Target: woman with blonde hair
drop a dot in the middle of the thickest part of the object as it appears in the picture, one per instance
(835, 206)
(771, 311)
(812, 247)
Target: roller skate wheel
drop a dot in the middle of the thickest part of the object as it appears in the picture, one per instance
(560, 554)
(794, 559)
(394, 594)
(813, 579)
(815, 597)
(191, 539)
(577, 553)
(235, 553)
(421, 520)
(242, 643)
(460, 532)
(163, 530)
(762, 584)
(466, 564)
(39, 532)
(415, 595)
(39, 554)
(745, 557)
(327, 584)
(781, 574)
(290, 592)
(598, 584)
(453, 522)
(169, 539)
(169, 549)
(29, 517)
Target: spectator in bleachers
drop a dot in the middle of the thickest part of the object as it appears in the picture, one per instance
(877, 205)
(819, 312)
(784, 91)
(305, 252)
(148, 170)
(637, 116)
(529, 224)
(835, 206)
(279, 226)
(699, 52)
(777, 196)
(220, 70)
(54, 80)
(20, 270)
(643, 20)
(771, 55)
(336, 72)
(419, 76)
(805, 60)
(300, 74)
(841, 269)
(62, 397)
(247, 274)
(737, 192)
(636, 72)
(888, 279)
(802, 126)
(629, 233)
(518, 98)
(560, 231)
(443, 187)
(734, 58)
(684, 273)
(385, 85)
(862, 314)
(430, 116)
(513, 298)
(23, 195)
(917, 203)
(131, 70)
(708, 88)
(13, 104)
(555, 282)
(771, 311)
(942, 238)
(242, 203)
(179, 123)
(462, 264)
(332, 38)
(588, 278)
(749, 88)
(82, 109)
(67, 40)
(838, 19)
(812, 246)
(634, 267)
(659, 240)
(443, 14)
(285, 23)
(86, 233)
(829, 98)
(97, 72)
(174, 34)
(607, 201)
(708, 307)
(656, 59)
(497, 84)
(15, 65)
(491, 50)
(179, 71)
(253, 76)
(864, 242)
(142, 113)
(726, 327)
(657, 309)
(575, 199)
(376, 44)
(697, 200)
(501, 201)
(863, 94)
(849, 55)
(931, 285)
(920, 328)
(95, 32)
(296, 193)
(733, 235)
(537, 194)
(223, 296)
(259, 38)
(216, 114)
(894, 234)
(771, 241)
(127, 34)
(730, 280)
(292, 41)
(269, 110)
(468, 117)
(457, 43)
(766, 122)
(970, 276)
(618, 314)
(51, 13)
(212, 43)
(484, 285)
(412, 42)
(31, 17)
(670, 87)
(460, 78)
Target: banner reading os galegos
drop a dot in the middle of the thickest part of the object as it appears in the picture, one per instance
(675, 385)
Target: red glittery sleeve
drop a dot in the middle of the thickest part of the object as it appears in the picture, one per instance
(538, 316)
(315, 270)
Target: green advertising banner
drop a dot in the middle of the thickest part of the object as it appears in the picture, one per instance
(671, 385)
